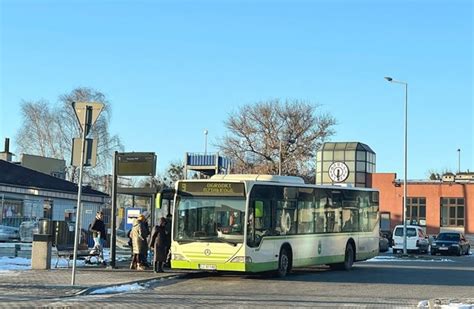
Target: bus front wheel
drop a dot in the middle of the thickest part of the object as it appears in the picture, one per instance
(283, 263)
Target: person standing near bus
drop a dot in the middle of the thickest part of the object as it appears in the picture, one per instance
(159, 245)
(98, 232)
(146, 233)
(138, 243)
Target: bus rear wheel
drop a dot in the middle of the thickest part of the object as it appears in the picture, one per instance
(348, 259)
(283, 263)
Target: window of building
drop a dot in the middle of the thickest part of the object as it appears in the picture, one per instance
(452, 211)
(416, 210)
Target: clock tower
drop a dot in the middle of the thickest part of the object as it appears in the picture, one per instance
(344, 163)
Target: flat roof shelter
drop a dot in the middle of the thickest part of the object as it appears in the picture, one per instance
(26, 194)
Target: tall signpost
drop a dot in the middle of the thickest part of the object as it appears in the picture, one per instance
(86, 113)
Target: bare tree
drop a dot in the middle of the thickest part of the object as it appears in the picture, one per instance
(175, 172)
(38, 134)
(48, 131)
(434, 174)
(266, 133)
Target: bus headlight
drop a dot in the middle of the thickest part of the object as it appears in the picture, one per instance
(241, 259)
(178, 257)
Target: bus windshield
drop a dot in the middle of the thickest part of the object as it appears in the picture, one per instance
(204, 218)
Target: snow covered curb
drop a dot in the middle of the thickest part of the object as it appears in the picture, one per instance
(127, 287)
(447, 304)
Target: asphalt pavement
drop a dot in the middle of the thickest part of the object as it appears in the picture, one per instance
(25, 287)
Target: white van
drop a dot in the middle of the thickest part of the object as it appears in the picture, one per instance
(416, 239)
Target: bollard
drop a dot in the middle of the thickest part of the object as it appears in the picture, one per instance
(41, 251)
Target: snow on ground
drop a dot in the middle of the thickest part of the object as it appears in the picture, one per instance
(10, 265)
(119, 289)
(452, 305)
(18, 263)
(394, 258)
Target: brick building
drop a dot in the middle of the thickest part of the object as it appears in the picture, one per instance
(446, 204)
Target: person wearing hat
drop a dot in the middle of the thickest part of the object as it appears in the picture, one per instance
(138, 242)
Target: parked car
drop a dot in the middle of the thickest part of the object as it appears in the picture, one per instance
(383, 243)
(416, 239)
(388, 235)
(450, 243)
(9, 233)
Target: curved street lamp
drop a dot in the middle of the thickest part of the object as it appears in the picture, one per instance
(404, 163)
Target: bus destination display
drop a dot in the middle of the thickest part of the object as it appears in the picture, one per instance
(212, 188)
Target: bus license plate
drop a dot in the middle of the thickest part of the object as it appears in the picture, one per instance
(207, 266)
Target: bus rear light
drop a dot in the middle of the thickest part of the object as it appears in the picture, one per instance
(241, 259)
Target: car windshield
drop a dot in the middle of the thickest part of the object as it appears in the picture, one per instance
(410, 231)
(448, 236)
(218, 219)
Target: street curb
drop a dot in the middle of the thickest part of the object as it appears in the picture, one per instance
(142, 282)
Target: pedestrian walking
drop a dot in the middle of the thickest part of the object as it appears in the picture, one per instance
(99, 235)
(138, 243)
(159, 245)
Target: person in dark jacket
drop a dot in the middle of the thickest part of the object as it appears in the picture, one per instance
(146, 234)
(99, 234)
(168, 238)
(159, 245)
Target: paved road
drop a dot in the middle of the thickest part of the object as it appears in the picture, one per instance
(376, 284)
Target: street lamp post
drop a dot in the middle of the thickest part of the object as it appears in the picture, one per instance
(459, 160)
(404, 163)
(205, 141)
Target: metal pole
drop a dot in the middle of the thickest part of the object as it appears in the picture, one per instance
(78, 208)
(405, 189)
(459, 161)
(205, 141)
(113, 226)
(405, 163)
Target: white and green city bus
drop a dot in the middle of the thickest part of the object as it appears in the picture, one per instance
(256, 223)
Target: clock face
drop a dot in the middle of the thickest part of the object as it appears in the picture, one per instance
(338, 171)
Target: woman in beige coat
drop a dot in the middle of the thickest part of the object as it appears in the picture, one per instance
(138, 242)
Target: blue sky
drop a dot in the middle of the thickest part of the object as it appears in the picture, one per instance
(174, 68)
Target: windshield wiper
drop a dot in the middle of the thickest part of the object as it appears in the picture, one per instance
(234, 243)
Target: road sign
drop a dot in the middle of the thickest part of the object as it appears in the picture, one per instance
(90, 152)
(87, 113)
(136, 164)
